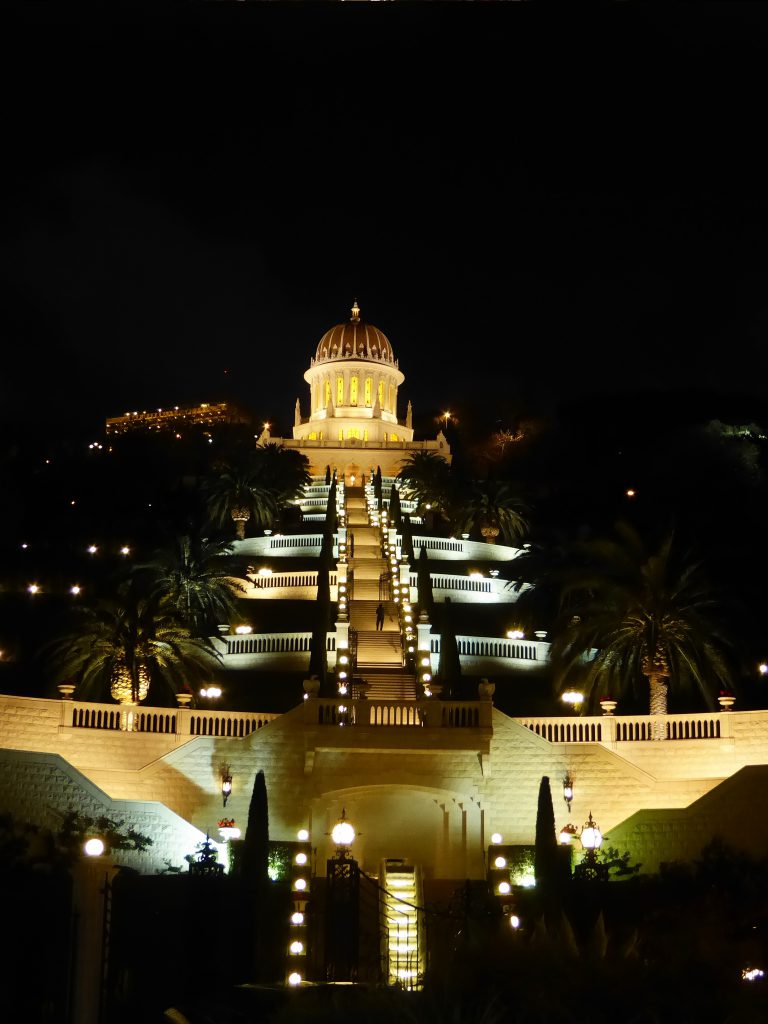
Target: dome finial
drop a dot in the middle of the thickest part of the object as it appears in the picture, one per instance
(355, 312)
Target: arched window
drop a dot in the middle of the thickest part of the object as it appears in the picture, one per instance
(327, 393)
(312, 435)
(341, 433)
(353, 390)
(391, 405)
(369, 391)
(393, 437)
(365, 434)
(353, 432)
(381, 393)
(339, 390)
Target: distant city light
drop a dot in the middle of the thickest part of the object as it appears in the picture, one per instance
(762, 668)
(752, 974)
(75, 589)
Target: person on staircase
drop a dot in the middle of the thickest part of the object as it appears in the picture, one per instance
(379, 616)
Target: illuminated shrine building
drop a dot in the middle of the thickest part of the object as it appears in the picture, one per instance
(353, 424)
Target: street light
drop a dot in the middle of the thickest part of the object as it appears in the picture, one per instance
(591, 840)
(568, 789)
(343, 834)
(226, 784)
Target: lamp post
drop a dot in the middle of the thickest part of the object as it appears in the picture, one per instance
(226, 784)
(589, 869)
(343, 914)
(568, 790)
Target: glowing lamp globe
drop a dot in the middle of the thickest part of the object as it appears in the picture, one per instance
(591, 836)
(93, 848)
(343, 834)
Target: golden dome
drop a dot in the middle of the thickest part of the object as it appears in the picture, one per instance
(354, 340)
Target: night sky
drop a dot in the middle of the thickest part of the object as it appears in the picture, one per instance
(535, 203)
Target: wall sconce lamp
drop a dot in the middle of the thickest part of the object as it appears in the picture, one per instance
(568, 790)
(226, 784)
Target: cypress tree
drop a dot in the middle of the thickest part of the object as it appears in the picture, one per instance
(318, 647)
(449, 664)
(546, 859)
(424, 583)
(395, 514)
(407, 543)
(253, 863)
(255, 851)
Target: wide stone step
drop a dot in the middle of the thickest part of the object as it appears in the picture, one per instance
(366, 590)
(384, 652)
(384, 685)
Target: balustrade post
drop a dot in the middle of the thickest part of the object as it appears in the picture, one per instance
(608, 730)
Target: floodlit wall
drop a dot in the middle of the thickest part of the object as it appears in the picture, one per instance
(433, 795)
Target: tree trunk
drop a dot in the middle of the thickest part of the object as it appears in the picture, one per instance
(240, 516)
(657, 685)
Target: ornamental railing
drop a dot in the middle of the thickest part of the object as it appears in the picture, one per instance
(273, 643)
(180, 721)
(611, 729)
(422, 714)
(494, 647)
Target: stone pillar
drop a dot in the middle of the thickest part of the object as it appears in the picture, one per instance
(92, 877)
(423, 633)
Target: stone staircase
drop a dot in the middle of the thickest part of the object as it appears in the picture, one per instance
(376, 649)
(379, 652)
(386, 684)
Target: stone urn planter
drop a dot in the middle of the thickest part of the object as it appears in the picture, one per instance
(608, 706)
(486, 689)
(726, 701)
(183, 699)
(66, 690)
(311, 687)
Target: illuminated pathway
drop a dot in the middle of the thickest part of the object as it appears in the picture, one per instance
(379, 654)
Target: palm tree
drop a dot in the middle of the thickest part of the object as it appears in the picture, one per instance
(197, 579)
(496, 507)
(634, 617)
(426, 478)
(238, 494)
(284, 472)
(120, 645)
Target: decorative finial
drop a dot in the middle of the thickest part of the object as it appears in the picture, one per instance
(355, 312)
